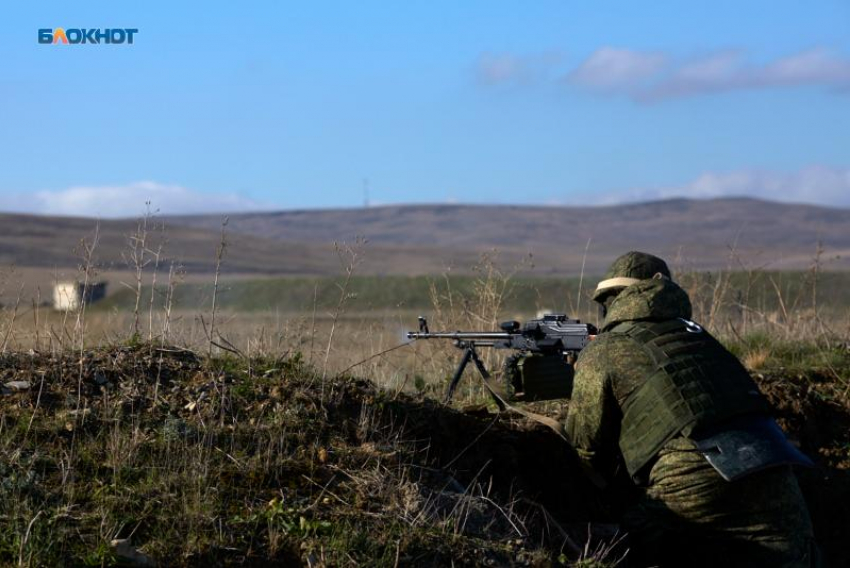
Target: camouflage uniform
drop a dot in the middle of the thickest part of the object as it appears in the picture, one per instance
(687, 513)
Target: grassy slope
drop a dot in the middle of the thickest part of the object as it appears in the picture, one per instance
(232, 462)
(524, 294)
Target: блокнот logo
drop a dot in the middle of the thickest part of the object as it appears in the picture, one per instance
(87, 35)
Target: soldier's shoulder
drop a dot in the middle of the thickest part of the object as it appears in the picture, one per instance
(608, 342)
(612, 351)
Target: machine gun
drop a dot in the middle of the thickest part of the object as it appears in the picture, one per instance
(547, 346)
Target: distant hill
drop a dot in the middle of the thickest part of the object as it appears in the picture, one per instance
(698, 233)
(29, 241)
(418, 239)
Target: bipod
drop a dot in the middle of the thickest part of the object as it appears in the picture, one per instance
(499, 397)
(471, 354)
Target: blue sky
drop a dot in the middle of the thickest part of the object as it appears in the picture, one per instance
(278, 105)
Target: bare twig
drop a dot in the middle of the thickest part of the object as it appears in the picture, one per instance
(136, 259)
(581, 276)
(349, 258)
(219, 256)
(14, 318)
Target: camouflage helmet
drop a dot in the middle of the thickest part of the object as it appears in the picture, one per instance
(629, 269)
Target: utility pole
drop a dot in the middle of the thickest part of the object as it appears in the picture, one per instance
(365, 193)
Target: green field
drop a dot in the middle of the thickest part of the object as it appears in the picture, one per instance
(765, 291)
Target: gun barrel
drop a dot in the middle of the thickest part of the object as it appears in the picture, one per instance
(460, 335)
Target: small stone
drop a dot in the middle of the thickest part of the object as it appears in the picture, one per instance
(18, 386)
(124, 550)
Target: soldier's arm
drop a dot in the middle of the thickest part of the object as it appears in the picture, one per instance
(593, 416)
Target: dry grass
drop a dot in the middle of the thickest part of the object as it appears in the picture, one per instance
(756, 359)
(344, 336)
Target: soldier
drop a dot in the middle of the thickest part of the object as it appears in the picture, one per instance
(658, 398)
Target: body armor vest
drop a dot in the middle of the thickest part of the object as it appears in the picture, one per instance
(696, 386)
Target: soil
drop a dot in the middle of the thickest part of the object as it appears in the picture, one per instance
(814, 411)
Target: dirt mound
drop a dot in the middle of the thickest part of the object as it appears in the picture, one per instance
(230, 461)
(227, 461)
(814, 411)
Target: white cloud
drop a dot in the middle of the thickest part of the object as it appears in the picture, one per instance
(728, 71)
(496, 68)
(128, 201)
(817, 65)
(818, 185)
(651, 76)
(712, 73)
(509, 69)
(613, 69)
